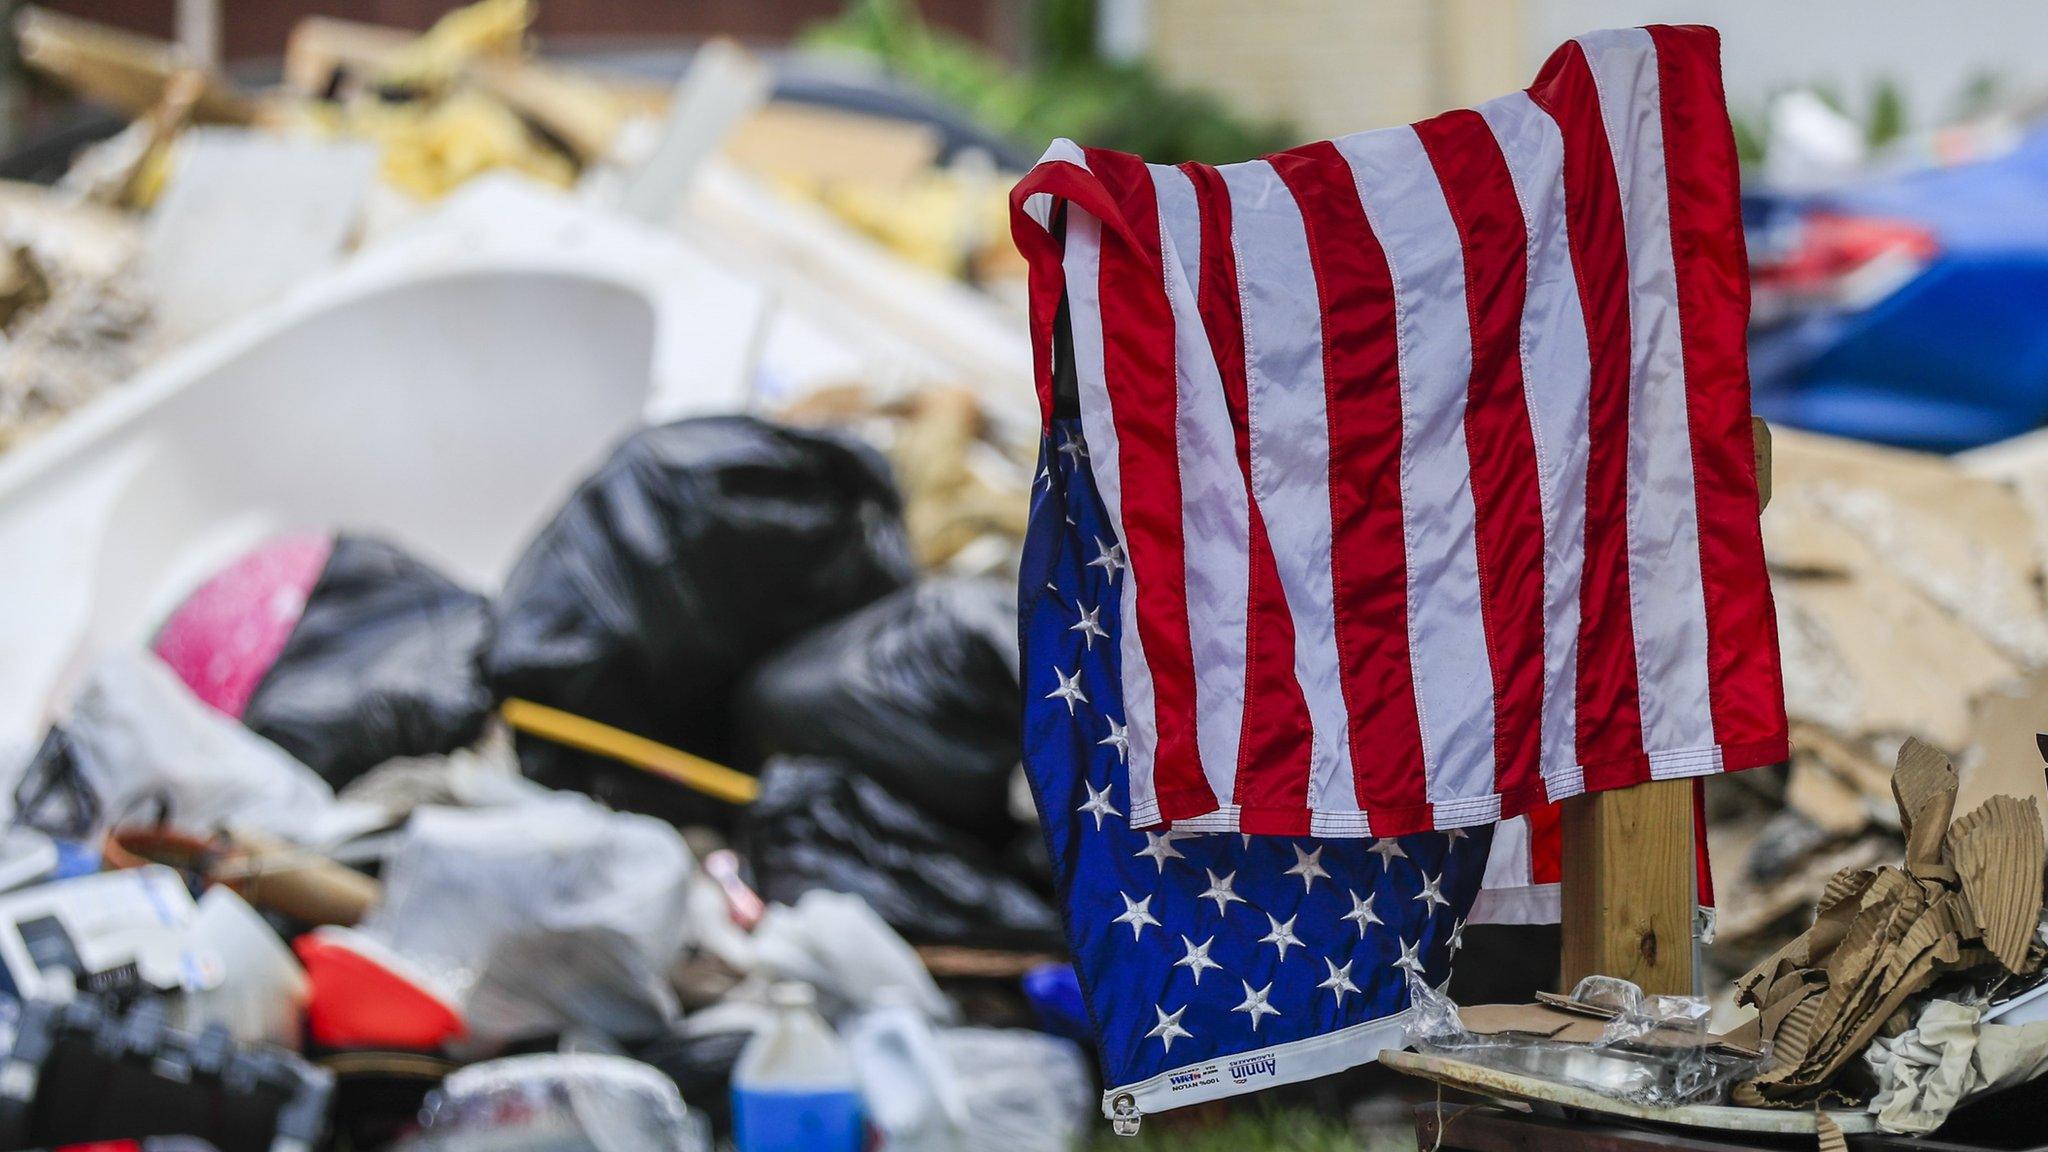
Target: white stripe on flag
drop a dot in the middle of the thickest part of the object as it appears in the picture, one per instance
(1670, 610)
(1432, 325)
(1083, 263)
(1214, 519)
(1039, 206)
(1556, 381)
(1180, 216)
(1290, 451)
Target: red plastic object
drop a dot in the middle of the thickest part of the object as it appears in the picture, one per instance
(364, 997)
(228, 633)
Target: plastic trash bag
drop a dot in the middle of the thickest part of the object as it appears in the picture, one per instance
(344, 651)
(822, 825)
(701, 1064)
(695, 550)
(1022, 1091)
(970, 1089)
(386, 661)
(918, 690)
(563, 1103)
(139, 748)
(836, 944)
(540, 916)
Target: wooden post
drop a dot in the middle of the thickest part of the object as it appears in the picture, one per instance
(1627, 886)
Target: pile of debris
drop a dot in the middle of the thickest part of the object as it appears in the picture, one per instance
(1910, 606)
(426, 804)
(298, 821)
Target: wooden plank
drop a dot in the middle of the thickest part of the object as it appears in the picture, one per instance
(1628, 886)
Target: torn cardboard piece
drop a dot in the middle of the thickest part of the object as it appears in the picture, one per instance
(1968, 895)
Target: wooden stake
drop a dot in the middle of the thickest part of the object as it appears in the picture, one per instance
(1627, 886)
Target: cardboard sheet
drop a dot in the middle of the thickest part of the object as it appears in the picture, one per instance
(1969, 894)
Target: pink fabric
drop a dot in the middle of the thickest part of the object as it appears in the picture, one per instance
(226, 635)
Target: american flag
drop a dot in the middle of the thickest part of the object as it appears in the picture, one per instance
(1212, 964)
(1393, 485)
(1428, 451)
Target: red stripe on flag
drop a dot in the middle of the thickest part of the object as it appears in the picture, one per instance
(1273, 752)
(1546, 844)
(1610, 737)
(1703, 868)
(1368, 552)
(1137, 350)
(1748, 695)
(1042, 255)
(1506, 499)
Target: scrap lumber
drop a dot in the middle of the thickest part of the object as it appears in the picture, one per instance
(120, 69)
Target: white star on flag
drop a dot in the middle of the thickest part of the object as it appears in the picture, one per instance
(1454, 835)
(1432, 893)
(1118, 739)
(1339, 980)
(1362, 914)
(1111, 558)
(1137, 913)
(1168, 1027)
(1457, 937)
(1069, 689)
(1072, 447)
(1090, 626)
(1222, 891)
(1282, 936)
(1388, 850)
(1197, 958)
(1098, 804)
(1308, 866)
(1159, 849)
(1409, 961)
(1255, 1004)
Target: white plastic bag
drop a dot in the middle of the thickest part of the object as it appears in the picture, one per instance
(541, 916)
(576, 1103)
(144, 744)
(969, 1089)
(1021, 1091)
(838, 945)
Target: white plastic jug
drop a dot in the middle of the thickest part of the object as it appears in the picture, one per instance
(907, 1084)
(794, 1088)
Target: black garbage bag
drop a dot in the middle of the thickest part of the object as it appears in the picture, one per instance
(701, 1064)
(385, 661)
(695, 550)
(918, 690)
(823, 825)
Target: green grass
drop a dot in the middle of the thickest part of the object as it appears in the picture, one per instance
(1275, 1130)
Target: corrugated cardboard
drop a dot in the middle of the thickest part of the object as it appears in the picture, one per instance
(1969, 894)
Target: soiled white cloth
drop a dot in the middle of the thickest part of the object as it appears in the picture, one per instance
(1948, 1056)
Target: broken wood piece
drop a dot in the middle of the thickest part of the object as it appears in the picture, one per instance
(120, 69)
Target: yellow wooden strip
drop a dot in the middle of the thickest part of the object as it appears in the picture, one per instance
(587, 735)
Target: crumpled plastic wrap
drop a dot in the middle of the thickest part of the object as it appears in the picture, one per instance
(573, 1103)
(1654, 1051)
(1948, 1056)
(542, 915)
